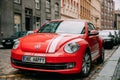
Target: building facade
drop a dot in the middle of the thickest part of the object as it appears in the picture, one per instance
(6, 18)
(117, 20)
(0, 22)
(85, 7)
(96, 13)
(69, 9)
(82, 9)
(107, 14)
(0, 17)
(25, 15)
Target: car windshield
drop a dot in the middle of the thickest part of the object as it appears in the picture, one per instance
(70, 27)
(105, 34)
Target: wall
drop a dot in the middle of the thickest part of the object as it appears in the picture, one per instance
(7, 17)
(96, 13)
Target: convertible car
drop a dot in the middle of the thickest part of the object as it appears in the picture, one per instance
(60, 46)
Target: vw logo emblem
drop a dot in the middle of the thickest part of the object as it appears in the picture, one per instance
(37, 46)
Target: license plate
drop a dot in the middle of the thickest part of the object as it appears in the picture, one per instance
(33, 59)
(8, 43)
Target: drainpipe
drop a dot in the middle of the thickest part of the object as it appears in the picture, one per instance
(0, 23)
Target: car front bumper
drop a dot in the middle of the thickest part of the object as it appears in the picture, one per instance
(67, 64)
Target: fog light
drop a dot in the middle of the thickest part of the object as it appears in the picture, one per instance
(70, 65)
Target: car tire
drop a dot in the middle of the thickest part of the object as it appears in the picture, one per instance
(101, 58)
(86, 64)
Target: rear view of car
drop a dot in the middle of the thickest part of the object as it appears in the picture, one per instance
(108, 39)
(114, 34)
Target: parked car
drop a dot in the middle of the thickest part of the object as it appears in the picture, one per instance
(108, 39)
(62, 46)
(9, 42)
(114, 35)
(117, 33)
(29, 32)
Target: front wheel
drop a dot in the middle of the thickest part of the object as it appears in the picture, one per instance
(86, 64)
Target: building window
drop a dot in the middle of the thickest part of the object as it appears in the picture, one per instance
(48, 9)
(56, 10)
(37, 4)
(36, 24)
(17, 22)
(17, 1)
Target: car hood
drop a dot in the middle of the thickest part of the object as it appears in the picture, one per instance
(10, 38)
(45, 42)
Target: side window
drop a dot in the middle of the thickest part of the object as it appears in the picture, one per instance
(90, 27)
(83, 31)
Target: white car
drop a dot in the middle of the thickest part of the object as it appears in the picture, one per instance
(29, 32)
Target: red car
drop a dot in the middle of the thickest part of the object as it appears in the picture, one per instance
(62, 46)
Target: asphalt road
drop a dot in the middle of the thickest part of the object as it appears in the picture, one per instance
(9, 73)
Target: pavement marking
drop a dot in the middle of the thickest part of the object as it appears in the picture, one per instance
(10, 76)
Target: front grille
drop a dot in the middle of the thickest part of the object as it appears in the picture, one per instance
(47, 66)
(9, 40)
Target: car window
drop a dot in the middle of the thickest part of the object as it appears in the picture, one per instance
(15, 34)
(70, 27)
(19, 34)
(49, 27)
(105, 34)
(22, 34)
(90, 27)
(83, 31)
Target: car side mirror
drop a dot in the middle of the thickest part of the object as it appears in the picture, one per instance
(93, 32)
(35, 31)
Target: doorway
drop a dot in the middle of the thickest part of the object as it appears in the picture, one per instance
(28, 19)
(27, 25)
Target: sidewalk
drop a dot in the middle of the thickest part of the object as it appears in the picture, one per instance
(116, 75)
(111, 70)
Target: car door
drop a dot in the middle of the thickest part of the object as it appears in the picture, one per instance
(93, 41)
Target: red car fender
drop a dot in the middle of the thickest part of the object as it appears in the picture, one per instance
(101, 42)
(85, 46)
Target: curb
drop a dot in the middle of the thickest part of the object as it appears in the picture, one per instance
(107, 73)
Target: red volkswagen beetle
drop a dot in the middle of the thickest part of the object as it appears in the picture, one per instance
(62, 46)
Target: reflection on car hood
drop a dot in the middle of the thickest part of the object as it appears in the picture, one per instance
(47, 42)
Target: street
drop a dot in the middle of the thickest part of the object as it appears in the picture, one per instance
(9, 73)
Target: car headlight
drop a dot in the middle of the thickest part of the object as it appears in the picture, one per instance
(16, 44)
(3, 40)
(71, 47)
(15, 40)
